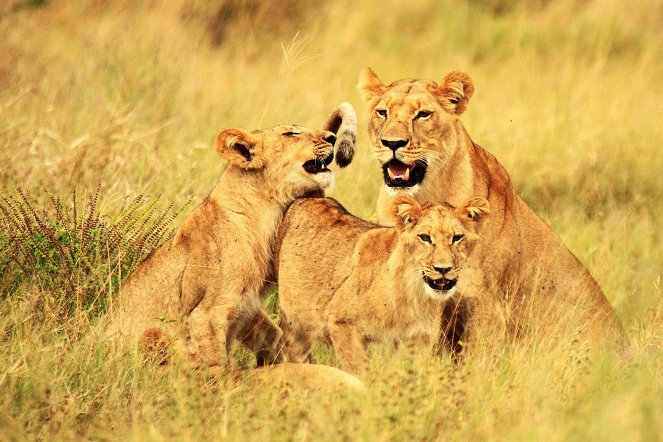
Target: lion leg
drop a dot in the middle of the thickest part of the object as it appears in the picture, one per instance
(297, 343)
(208, 334)
(263, 337)
(452, 336)
(349, 345)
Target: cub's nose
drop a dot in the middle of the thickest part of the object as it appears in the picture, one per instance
(394, 144)
(442, 270)
(330, 138)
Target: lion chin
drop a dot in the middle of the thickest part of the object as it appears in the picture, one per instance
(324, 179)
(409, 191)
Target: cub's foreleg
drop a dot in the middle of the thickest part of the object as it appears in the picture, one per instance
(220, 318)
(349, 344)
(452, 336)
(297, 343)
(261, 335)
(207, 329)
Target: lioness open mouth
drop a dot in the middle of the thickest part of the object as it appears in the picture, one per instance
(318, 165)
(398, 174)
(441, 285)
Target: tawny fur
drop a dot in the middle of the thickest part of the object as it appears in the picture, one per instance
(533, 282)
(306, 376)
(204, 287)
(157, 347)
(349, 281)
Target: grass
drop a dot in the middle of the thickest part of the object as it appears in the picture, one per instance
(127, 97)
(77, 246)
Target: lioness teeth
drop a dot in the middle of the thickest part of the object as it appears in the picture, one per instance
(406, 175)
(402, 172)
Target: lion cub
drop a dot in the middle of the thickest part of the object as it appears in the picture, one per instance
(350, 281)
(204, 286)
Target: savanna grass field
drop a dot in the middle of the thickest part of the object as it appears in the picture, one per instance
(108, 113)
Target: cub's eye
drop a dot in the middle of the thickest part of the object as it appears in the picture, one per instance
(292, 133)
(382, 113)
(422, 115)
(456, 238)
(425, 238)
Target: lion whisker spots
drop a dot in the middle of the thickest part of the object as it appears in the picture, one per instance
(435, 161)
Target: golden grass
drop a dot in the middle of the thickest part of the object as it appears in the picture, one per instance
(131, 94)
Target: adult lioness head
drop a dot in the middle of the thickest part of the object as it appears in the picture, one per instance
(437, 239)
(414, 127)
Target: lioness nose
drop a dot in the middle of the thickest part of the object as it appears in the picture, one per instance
(330, 138)
(442, 270)
(394, 144)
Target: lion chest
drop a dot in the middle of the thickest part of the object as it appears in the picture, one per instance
(393, 295)
(232, 254)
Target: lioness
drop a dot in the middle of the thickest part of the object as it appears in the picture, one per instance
(204, 286)
(351, 281)
(425, 152)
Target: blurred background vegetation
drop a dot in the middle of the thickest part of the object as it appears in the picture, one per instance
(126, 97)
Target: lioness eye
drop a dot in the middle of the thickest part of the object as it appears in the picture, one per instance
(292, 133)
(456, 238)
(382, 113)
(425, 238)
(422, 115)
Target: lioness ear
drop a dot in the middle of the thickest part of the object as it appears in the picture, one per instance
(405, 210)
(343, 122)
(474, 208)
(455, 92)
(370, 87)
(238, 147)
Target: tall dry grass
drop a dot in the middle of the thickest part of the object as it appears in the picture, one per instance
(129, 96)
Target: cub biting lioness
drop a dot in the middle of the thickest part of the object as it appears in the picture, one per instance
(350, 281)
(203, 287)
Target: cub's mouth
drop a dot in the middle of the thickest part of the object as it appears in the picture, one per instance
(318, 165)
(399, 174)
(440, 285)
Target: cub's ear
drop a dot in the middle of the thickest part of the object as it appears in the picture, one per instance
(405, 211)
(239, 148)
(474, 209)
(370, 87)
(455, 92)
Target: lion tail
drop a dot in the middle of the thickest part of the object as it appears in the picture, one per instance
(343, 122)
